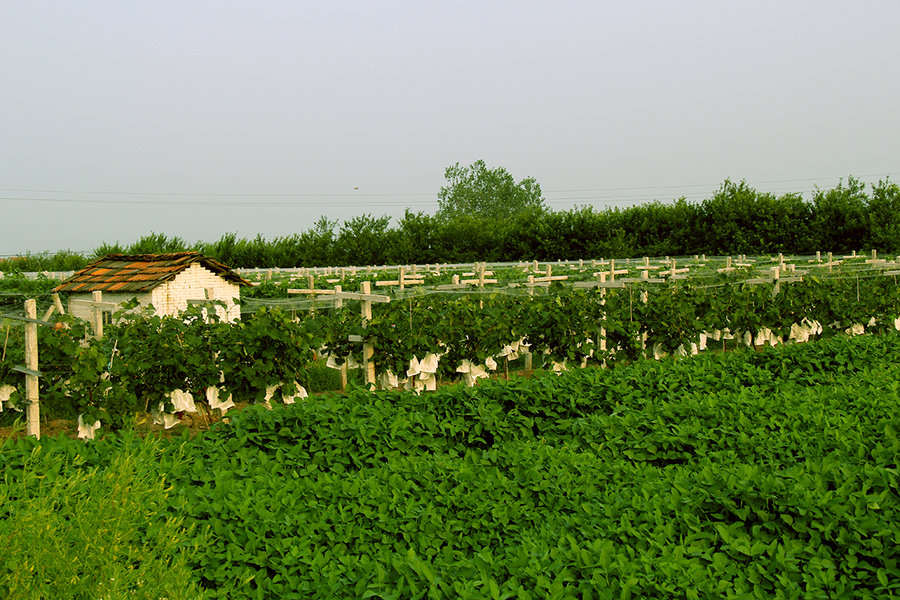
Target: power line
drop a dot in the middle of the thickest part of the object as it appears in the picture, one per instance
(357, 193)
(601, 195)
(218, 194)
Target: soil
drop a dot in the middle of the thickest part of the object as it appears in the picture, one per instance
(144, 425)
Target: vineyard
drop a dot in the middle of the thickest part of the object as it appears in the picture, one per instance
(673, 436)
(424, 331)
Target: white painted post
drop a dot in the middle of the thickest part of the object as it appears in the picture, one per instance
(481, 283)
(58, 304)
(97, 315)
(55, 307)
(368, 349)
(31, 363)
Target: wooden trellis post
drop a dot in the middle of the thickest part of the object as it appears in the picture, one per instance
(98, 307)
(544, 281)
(366, 297)
(831, 263)
(613, 272)
(646, 268)
(728, 268)
(368, 349)
(313, 292)
(453, 285)
(404, 279)
(55, 307)
(874, 261)
(31, 370)
(482, 274)
(675, 273)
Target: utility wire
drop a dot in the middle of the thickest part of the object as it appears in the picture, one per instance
(358, 193)
(609, 194)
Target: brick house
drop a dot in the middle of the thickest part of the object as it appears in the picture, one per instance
(165, 281)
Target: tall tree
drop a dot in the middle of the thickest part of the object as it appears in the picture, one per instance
(476, 191)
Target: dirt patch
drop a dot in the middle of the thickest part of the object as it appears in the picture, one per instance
(143, 425)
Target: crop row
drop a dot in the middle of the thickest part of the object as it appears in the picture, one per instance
(748, 474)
(422, 339)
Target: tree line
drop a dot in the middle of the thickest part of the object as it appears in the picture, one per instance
(737, 219)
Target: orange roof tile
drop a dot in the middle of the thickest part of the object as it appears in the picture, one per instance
(140, 272)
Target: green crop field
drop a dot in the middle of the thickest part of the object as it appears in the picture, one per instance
(767, 474)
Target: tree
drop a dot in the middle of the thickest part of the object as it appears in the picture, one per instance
(840, 218)
(476, 191)
(884, 217)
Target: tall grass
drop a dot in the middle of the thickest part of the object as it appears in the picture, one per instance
(72, 531)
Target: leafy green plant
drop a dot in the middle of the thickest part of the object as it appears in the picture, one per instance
(73, 531)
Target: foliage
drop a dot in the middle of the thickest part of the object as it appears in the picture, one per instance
(266, 349)
(476, 191)
(15, 288)
(768, 474)
(143, 357)
(70, 530)
(30, 262)
(490, 217)
(840, 216)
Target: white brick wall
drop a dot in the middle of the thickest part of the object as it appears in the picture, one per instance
(171, 298)
(83, 311)
(197, 283)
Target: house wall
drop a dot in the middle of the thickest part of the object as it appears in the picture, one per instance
(197, 283)
(171, 298)
(83, 311)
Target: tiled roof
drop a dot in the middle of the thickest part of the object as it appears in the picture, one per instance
(140, 272)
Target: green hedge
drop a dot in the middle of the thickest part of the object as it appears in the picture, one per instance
(736, 220)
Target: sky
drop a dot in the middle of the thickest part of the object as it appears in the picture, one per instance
(200, 118)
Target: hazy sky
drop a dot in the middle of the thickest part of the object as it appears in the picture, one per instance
(194, 119)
